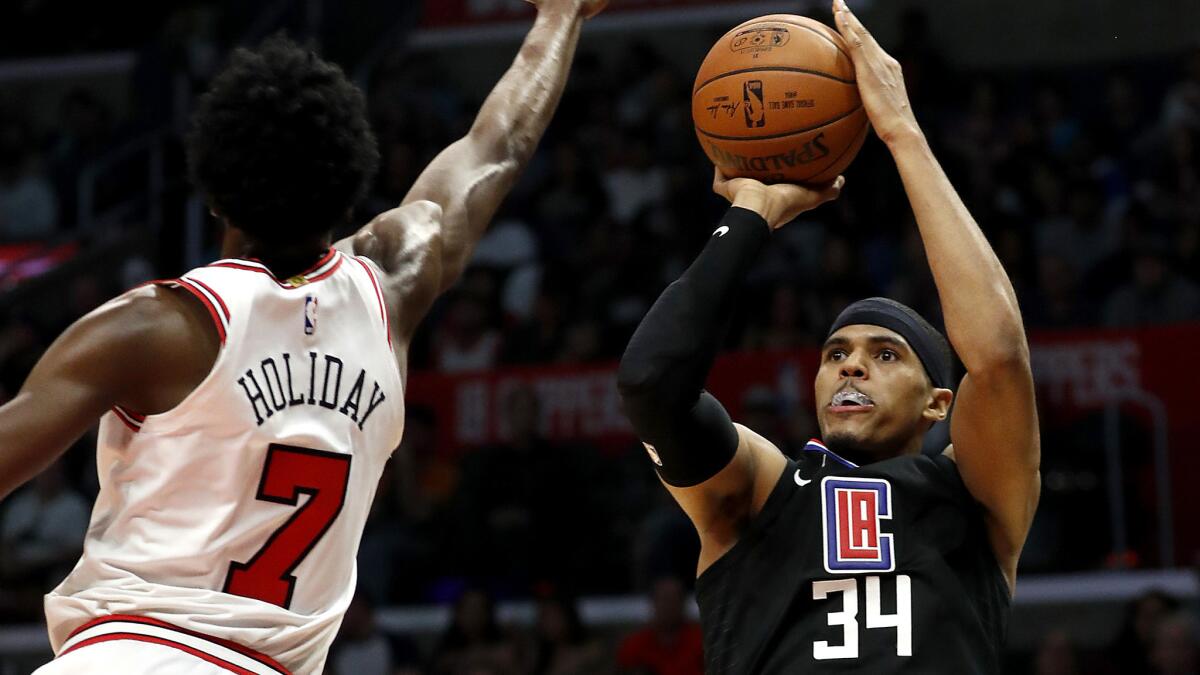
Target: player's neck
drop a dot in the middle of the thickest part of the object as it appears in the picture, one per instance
(283, 261)
(861, 454)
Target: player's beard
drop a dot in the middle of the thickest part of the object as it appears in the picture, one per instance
(855, 448)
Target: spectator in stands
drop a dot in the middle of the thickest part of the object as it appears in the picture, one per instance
(1056, 655)
(474, 642)
(665, 543)
(562, 644)
(671, 643)
(925, 70)
(387, 543)
(1131, 651)
(465, 341)
(84, 134)
(419, 485)
(1083, 233)
(1182, 104)
(522, 515)
(582, 342)
(1125, 124)
(19, 349)
(1187, 247)
(42, 531)
(1059, 304)
(1157, 293)
(28, 208)
(634, 181)
(1176, 647)
(1059, 128)
(425, 479)
(785, 326)
(572, 195)
(362, 649)
(542, 333)
(761, 407)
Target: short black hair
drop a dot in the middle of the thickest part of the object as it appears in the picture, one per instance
(930, 345)
(280, 144)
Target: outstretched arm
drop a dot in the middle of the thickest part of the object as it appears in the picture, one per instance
(994, 428)
(423, 245)
(720, 473)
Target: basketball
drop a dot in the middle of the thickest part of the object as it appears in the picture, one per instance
(776, 100)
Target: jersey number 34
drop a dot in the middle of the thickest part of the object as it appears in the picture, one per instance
(288, 473)
(847, 618)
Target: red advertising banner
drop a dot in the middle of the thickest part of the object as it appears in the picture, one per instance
(1077, 373)
(457, 13)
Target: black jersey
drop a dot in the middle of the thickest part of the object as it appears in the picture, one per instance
(884, 568)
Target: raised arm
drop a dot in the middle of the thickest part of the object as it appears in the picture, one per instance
(423, 245)
(994, 427)
(719, 472)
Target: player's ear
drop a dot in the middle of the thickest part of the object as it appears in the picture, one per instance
(938, 406)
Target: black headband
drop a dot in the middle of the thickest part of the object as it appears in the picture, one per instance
(931, 347)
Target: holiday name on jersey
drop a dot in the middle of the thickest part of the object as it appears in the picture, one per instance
(323, 386)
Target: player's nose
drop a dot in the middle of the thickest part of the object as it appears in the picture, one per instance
(855, 367)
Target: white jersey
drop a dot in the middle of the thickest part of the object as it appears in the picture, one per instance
(238, 514)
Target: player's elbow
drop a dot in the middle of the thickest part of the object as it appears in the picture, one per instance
(643, 383)
(1005, 355)
(497, 141)
(636, 381)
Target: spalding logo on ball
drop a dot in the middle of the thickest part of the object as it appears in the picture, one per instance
(776, 100)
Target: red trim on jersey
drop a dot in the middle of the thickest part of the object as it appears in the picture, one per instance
(135, 425)
(224, 308)
(256, 265)
(138, 637)
(136, 417)
(240, 266)
(216, 316)
(327, 272)
(153, 282)
(129, 618)
(387, 325)
(324, 259)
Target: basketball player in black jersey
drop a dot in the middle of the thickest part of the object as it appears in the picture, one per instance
(862, 555)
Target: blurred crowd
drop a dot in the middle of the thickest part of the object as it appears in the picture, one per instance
(557, 641)
(1086, 180)
(1156, 637)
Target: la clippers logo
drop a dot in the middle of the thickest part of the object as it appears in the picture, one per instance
(853, 509)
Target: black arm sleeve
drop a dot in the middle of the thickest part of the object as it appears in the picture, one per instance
(663, 370)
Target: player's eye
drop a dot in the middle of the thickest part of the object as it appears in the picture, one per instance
(888, 355)
(836, 354)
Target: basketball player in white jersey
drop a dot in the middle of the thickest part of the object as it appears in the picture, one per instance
(247, 408)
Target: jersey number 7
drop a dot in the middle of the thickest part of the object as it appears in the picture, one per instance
(288, 473)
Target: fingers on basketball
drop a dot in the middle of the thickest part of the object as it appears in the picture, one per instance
(722, 184)
(832, 190)
(850, 27)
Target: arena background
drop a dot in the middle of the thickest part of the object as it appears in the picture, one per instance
(1071, 129)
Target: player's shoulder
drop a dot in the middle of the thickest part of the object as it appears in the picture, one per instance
(139, 340)
(138, 312)
(398, 237)
(147, 320)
